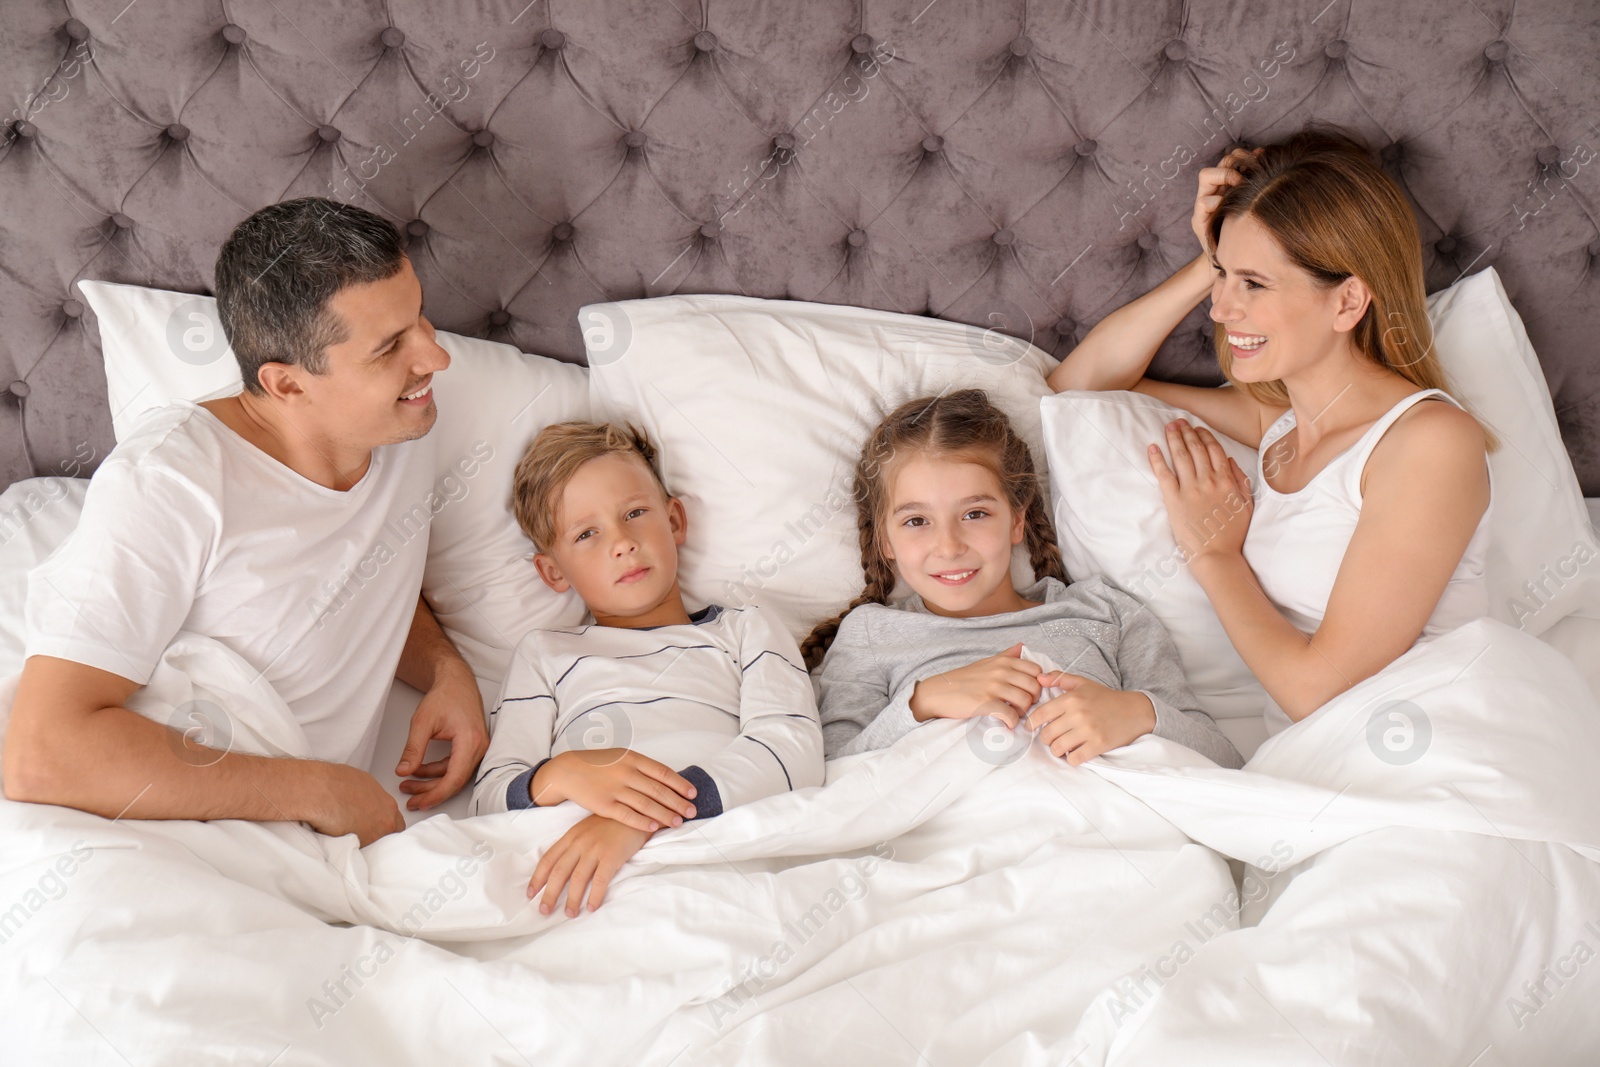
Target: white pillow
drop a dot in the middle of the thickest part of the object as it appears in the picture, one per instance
(1543, 562)
(161, 345)
(1111, 520)
(760, 409)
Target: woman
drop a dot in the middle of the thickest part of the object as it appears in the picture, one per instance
(1370, 522)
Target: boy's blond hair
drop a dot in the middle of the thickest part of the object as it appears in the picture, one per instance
(554, 456)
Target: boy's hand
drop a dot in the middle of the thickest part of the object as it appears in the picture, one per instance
(618, 783)
(1004, 686)
(586, 858)
(1089, 718)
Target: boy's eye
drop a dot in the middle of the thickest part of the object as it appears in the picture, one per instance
(582, 535)
(637, 511)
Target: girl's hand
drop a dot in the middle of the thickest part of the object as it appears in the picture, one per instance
(1004, 686)
(586, 858)
(1089, 718)
(1213, 182)
(1207, 494)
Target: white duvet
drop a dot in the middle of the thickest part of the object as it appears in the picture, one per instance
(939, 902)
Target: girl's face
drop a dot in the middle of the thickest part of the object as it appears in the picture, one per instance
(949, 532)
(1279, 320)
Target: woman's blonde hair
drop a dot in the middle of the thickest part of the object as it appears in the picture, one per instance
(963, 426)
(554, 456)
(1335, 213)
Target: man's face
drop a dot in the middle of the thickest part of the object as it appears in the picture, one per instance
(617, 539)
(391, 354)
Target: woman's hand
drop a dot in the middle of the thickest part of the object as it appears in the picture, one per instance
(1004, 686)
(1213, 182)
(587, 857)
(1089, 718)
(1207, 494)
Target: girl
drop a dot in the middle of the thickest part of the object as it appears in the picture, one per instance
(944, 488)
(1372, 520)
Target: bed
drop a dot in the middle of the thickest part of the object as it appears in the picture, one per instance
(584, 188)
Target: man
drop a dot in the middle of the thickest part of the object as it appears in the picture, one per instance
(276, 522)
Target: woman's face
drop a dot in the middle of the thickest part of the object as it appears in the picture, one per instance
(1280, 321)
(950, 530)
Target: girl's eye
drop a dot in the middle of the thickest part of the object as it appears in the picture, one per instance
(977, 511)
(912, 519)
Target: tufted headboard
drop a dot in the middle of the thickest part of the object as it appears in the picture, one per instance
(1008, 163)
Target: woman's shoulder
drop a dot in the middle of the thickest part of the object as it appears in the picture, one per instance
(1430, 439)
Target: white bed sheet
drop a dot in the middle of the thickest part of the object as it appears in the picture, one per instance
(1025, 915)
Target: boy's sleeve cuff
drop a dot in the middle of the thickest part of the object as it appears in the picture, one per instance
(519, 793)
(707, 801)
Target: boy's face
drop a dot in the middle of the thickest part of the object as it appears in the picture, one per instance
(617, 538)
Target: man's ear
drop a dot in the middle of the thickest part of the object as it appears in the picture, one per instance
(281, 381)
(550, 573)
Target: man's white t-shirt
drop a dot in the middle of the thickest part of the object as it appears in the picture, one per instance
(188, 526)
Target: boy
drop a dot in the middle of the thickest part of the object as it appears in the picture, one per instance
(602, 714)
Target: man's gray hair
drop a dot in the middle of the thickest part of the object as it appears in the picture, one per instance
(280, 267)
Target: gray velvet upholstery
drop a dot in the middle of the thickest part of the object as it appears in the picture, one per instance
(1012, 164)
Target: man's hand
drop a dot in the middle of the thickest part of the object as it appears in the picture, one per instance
(586, 858)
(348, 800)
(451, 710)
(618, 783)
(1088, 718)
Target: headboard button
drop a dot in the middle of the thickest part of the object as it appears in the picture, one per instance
(1176, 51)
(562, 232)
(783, 142)
(1445, 245)
(933, 143)
(1335, 49)
(328, 133)
(121, 221)
(233, 34)
(76, 29)
(710, 230)
(1003, 237)
(857, 238)
(483, 138)
(1086, 148)
(417, 228)
(552, 39)
(392, 37)
(499, 318)
(72, 309)
(24, 128)
(178, 131)
(1495, 51)
(861, 42)
(19, 389)
(1066, 328)
(1149, 241)
(1549, 155)
(1020, 45)
(705, 40)
(635, 139)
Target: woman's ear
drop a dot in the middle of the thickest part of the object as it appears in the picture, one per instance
(1351, 303)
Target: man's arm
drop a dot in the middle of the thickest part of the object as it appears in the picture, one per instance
(72, 742)
(451, 710)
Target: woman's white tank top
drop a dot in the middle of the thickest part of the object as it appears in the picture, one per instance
(1297, 541)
